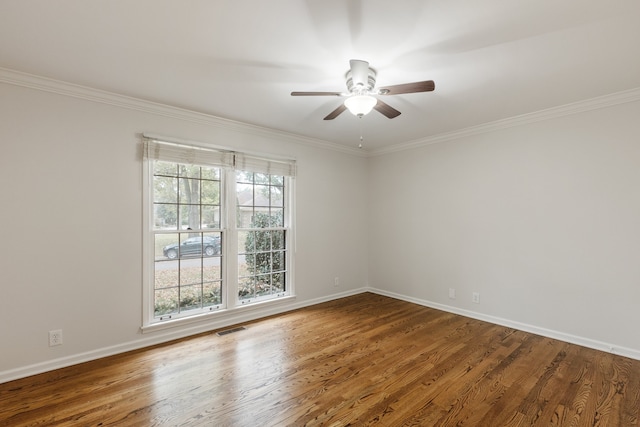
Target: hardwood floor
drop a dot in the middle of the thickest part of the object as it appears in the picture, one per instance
(362, 360)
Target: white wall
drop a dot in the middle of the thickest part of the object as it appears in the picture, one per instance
(71, 221)
(543, 220)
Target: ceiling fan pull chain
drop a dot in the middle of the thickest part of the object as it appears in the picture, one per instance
(361, 137)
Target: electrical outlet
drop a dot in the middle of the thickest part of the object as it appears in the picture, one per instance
(476, 297)
(452, 293)
(55, 337)
(336, 281)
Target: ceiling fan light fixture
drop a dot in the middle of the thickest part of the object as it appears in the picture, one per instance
(360, 105)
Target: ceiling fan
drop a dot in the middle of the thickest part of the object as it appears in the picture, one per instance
(361, 82)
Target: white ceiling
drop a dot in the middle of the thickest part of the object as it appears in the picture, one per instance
(240, 59)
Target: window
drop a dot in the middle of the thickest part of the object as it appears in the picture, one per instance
(219, 230)
(261, 235)
(187, 238)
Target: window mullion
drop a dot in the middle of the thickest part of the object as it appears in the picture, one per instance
(147, 252)
(231, 241)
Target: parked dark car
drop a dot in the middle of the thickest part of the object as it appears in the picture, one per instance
(193, 246)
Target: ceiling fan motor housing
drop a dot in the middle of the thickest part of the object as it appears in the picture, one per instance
(363, 83)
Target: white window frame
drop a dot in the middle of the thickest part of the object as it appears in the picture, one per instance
(181, 152)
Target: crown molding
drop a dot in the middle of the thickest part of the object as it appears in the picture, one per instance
(46, 84)
(617, 98)
(32, 81)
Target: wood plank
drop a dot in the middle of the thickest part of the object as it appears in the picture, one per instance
(361, 360)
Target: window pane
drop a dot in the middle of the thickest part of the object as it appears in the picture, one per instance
(277, 180)
(211, 269)
(189, 217)
(246, 241)
(166, 274)
(263, 284)
(189, 191)
(277, 217)
(190, 297)
(190, 271)
(260, 218)
(277, 282)
(210, 192)
(210, 217)
(278, 261)
(246, 288)
(262, 241)
(166, 301)
(244, 194)
(165, 217)
(261, 195)
(165, 189)
(244, 261)
(212, 294)
(166, 246)
(277, 239)
(261, 264)
(211, 244)
(277, 199)
(244, 217)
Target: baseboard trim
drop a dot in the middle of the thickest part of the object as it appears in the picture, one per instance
(164, 336)
(561, 336)
(167, 335)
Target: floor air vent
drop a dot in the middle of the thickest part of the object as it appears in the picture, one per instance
(230, 331)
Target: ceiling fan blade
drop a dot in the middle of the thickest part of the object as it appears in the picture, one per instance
(316, 93)
(335, 113)
(425, 86)
(386, 109)
(359, 72)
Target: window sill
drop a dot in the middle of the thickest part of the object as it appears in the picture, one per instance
(219, 318)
